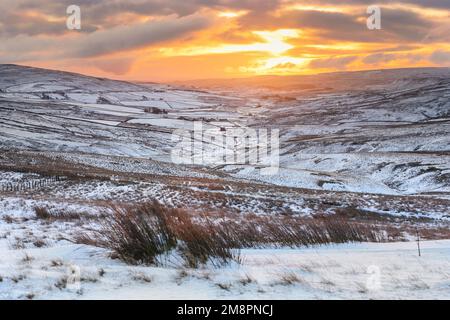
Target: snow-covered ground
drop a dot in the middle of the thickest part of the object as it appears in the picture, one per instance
(349, 271)
(379, 153)
(391, 138)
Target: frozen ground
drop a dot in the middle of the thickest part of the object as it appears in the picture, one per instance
(376, 154)
(390, 135)
(350, 271)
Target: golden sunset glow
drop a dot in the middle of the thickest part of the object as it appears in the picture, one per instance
(231, 14)
(273, 42)
(155, 41)
(304, 7)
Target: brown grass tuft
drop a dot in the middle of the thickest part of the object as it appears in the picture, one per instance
(144, 233)
(135, 234)
(44, 213)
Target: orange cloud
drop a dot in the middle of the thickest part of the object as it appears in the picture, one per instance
(193, 39)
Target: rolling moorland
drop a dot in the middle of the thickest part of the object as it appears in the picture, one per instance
(364, 169)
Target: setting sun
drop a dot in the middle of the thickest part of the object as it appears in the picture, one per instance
(166, 42)
(250, 152)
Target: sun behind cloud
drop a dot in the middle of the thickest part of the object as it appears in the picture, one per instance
(164, 41)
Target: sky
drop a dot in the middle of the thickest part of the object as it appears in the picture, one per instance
(168, 40)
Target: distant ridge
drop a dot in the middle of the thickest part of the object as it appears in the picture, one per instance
(318, 80)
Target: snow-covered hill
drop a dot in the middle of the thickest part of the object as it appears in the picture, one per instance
(375, 131)
(368, 148)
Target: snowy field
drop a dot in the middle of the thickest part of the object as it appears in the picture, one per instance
(376, 156)
(350, 271)
(390, 138)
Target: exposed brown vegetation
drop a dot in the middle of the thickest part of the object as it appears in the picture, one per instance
(45, 213)
(262, 231)
(289, 278)
(70, 172)
(136, 234)
(203, 241)
(142, 233)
